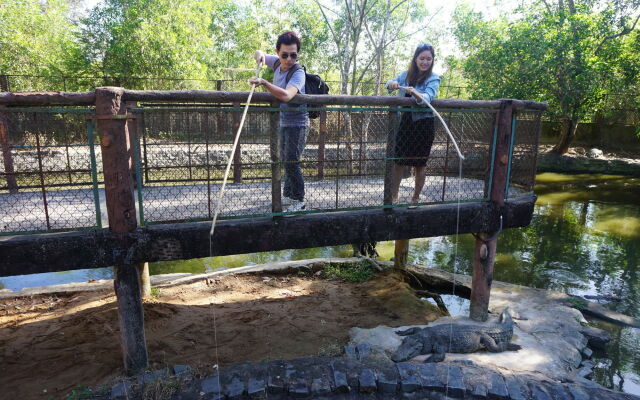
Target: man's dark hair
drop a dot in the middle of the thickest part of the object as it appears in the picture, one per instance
(288, 38)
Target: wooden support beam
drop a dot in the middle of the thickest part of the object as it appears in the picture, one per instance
(401, 253)
(145, 280)
(115, 144)
(29, 254)
(485, 247)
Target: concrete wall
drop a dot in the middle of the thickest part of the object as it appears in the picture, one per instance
(593, 134)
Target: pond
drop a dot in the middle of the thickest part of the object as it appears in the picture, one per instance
(584, 239)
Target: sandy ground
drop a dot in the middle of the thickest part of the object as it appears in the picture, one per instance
(53, 343)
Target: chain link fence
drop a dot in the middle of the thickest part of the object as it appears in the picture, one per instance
(51, 177)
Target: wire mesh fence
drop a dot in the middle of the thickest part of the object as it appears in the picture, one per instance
(348, 153)
(51, 177)
(48, 178)
(523, 153)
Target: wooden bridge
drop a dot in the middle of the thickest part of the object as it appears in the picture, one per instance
(155, 175)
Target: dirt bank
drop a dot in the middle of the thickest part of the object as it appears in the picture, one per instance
(52, 343)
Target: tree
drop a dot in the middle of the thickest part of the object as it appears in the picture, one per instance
(36, 38)
(557, 53)
(149, 38)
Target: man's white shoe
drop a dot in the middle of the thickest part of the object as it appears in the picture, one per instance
(287, 201)
(297, 205)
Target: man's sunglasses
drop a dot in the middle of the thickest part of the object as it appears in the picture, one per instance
(286, 55)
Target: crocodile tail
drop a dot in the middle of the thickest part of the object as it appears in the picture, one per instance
(505, 317)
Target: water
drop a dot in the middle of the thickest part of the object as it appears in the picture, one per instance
(584, 239)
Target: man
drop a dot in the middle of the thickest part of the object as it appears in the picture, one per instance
(294, 119)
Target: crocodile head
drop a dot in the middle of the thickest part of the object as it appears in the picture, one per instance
(505, 318)
(411, 346)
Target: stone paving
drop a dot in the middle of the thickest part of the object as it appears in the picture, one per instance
(363, 373)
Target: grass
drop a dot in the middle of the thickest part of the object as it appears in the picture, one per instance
(84, 392)
(577, 303)
(357, 272)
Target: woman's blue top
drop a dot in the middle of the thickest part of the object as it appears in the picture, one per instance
(428, 89)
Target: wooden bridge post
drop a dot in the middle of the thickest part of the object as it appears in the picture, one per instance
(121, 210)
(485, 247)
(7, 157)
(274, 150)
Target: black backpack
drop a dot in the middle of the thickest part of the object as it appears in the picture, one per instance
(313, 84)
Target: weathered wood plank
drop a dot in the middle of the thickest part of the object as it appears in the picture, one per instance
(93, 249)
(47, 98)
(211, 96)
(485, 247)
(118, 183)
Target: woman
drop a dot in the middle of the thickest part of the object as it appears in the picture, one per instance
(417, 129)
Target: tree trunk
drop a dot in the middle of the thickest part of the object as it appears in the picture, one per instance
(568, 133)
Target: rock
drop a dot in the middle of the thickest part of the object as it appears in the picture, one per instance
(181, 371)
(517, 389)
(597, 338)
(235, 388)
(367, 381)
(211, 385)
(387, 384)
(429, 378)
(152, 376)
(587, 353)
(256, 387)
(498, 389)
(538, 392)
(595, 153)
(586, 370)
(298, 389)
(364, 349)
(340, 381)
(409, 378)
(320, 387)
(121, 391)
(350, 351)
(455, 385)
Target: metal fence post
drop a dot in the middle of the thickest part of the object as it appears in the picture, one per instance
(237, 160)
(4, 83)
(118, 185)
(388, 167)
(485, 246)
(322, 136)
(7, 157)
(274, 150)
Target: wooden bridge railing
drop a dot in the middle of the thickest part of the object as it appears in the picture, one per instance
(125, 244)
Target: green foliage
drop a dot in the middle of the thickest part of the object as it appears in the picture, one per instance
(356, 272)
(36, 38)
(150, 38)
(568, 57)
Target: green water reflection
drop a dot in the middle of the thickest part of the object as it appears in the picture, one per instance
(584, 239)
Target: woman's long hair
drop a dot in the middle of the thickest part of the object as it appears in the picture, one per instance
(414, 76)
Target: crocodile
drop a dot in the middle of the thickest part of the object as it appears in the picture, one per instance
(456, 338)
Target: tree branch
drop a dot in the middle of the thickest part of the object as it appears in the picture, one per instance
(625, 31)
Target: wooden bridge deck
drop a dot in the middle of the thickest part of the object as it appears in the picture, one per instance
(76, 208)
